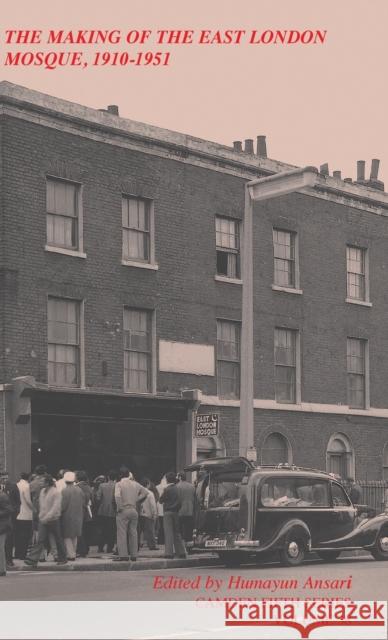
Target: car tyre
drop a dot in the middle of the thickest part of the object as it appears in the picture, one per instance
(380, 549)
(328, 556)
(293, 552)
(231, 559)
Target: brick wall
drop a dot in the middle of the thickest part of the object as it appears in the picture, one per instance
(183, 292)
(309, 435)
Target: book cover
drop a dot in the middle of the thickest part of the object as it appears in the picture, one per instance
(193, 282)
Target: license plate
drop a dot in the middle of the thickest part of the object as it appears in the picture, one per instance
(215, 543)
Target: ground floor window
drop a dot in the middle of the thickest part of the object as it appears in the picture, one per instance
(211, 447)
(276, 450)
(340, 457)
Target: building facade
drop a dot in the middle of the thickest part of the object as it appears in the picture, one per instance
(121, 287)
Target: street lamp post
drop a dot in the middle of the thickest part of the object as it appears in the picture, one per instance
(261, 189)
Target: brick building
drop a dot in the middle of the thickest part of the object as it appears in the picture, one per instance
(120, 315)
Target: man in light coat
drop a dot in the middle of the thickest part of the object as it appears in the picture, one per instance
(129, 494)
(50, 501)
(148, 516)
(23, 528)
(72, 514)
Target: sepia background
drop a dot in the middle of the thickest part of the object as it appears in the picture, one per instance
(316, 104)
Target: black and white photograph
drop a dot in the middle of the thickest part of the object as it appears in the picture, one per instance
(193, 319)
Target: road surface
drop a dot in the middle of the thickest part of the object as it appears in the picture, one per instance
(357, 579)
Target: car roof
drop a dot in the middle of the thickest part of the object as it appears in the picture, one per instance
(240, 464)
(288, 472)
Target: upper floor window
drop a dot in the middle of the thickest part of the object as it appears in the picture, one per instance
(63, 342)
(285, 259)
(228, 359)
(136, 222)
(137, 350)
(356, 368)
(286, 365)
(356, 264)
(62, 217)
(228, 247)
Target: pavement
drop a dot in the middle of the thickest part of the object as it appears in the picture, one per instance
(147, 560)
(96, 561)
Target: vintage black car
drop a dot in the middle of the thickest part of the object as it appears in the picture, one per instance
(244, 512)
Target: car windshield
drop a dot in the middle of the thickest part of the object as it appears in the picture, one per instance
(299, 492)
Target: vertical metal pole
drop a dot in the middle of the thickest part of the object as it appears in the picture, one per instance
(246, 393)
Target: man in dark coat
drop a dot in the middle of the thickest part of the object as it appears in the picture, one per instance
(355, 492)
(170, 499)
(186, 512)
(6, 512)
(12, 491)
(107, 513)
(83, 540)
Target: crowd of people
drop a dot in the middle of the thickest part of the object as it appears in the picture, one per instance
(63, 516)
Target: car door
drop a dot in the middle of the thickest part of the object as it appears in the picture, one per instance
(343, 514)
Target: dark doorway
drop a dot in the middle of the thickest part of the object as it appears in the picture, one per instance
(148, 448)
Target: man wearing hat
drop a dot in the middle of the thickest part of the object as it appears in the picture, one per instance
(72, 514)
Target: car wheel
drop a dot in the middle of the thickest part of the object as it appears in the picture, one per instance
(293, 552)
(380, 549)
(231, 559)
(328, 556)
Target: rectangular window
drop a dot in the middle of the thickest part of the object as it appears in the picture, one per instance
(228, 359)
(295, 493)
(136, 223)
(284, 251)
(62, 217)
(137, 351)
(228, 247)
(63, 342)
(286, 365)
(356, 273)
(356, 361)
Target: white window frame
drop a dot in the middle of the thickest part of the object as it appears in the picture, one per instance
(348, 450)
(297, 365)
(294, 239)
(78, 250)
(151, 320)
(236, 361)
(365, 301)
(81, 341)
(365, 343)
(236, 279)
(138, 262)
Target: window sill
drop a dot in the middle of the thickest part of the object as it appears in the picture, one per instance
(361, 303)
(140, 265)
(139, 393)
(276, 287)
(366, 409)
(226, 279)
(65, 252)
